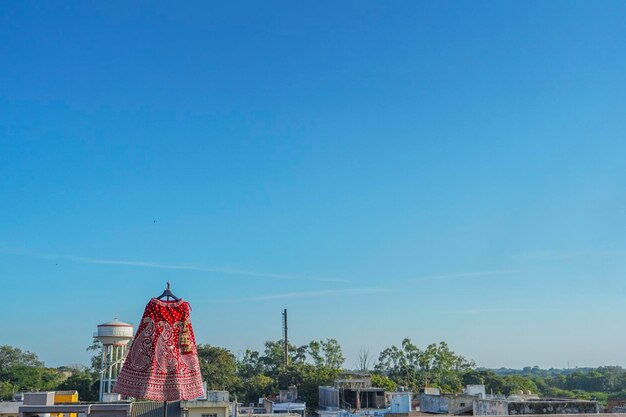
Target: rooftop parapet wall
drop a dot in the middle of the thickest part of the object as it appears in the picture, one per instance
(511, 408)
(491, 408)
(445, 404)
(582, 415)
(553, 407)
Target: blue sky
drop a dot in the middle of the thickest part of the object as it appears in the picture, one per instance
(435, 170)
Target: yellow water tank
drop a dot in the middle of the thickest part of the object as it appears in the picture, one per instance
(65, 397)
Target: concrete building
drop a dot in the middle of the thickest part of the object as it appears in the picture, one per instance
(87, 410)
(354, 396)
(286, 402)
(65, 397)
(155, 409)
(352, 392)
(476, 390)
(289, 408)
(10, 408)
(446, 403)
(400, 402)
(266, 415)
(48, 404)
(620, 403)
(288, 395)
(216, 404)
(487, 407)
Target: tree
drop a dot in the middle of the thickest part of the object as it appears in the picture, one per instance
(86, 383)
(512, 384)
(383, 381)
(218, 367)
(6, 390)
(307, 378)
(333, 354)
(22, 370)
(273, 356)
(12, 356)
(436, 366)
(255, 387)
(96, 359)
(364, 360)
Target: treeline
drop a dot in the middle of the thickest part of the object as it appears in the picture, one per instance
(252, 374)
(23, 371)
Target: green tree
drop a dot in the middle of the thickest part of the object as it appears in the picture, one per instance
(512, 384)
(218, 367)
(96, 359)
(273, 356)
(255, 387)
(86, 383)
(436, 366)
(333, 354)
(6, 390)
(21, 371)
(383, 381)
(307, 378)
(11, 356)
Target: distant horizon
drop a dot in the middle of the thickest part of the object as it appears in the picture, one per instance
(88, 354)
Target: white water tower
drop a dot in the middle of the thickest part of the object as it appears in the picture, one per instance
(114, 337)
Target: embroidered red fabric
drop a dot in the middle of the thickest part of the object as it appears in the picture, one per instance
(162, 363)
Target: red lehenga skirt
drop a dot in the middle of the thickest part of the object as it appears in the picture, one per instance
(162, 363)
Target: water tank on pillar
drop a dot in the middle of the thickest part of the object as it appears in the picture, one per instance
(114, 337)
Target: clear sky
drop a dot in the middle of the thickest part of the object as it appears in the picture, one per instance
(436, 170)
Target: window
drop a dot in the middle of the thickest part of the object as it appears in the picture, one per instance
(210, 415)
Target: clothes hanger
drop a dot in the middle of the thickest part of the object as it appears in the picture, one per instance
(168, 294)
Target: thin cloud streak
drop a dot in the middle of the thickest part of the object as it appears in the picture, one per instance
(159, 265)
(310, 294)
(559, 255)
(466, 275)
(500, 310)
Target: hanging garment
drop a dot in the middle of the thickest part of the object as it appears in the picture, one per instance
(162, 363)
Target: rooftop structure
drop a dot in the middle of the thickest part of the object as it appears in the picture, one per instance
(486, 407)
(354, 396)
(446, 403)
(216, 404)
(286, 402)
(9, 408)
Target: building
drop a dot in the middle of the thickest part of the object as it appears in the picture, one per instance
(400, 402)
(155, 409)
(266, 415)
(65, 397)
(614, 403)
(433, 401)
(10, 408)
(512, 406)
(353, 395)
(37, 404)
(216, 404)
(352, 392)
(285, 403)
(289, 408)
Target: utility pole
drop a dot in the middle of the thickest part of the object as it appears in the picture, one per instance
(285, 340)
